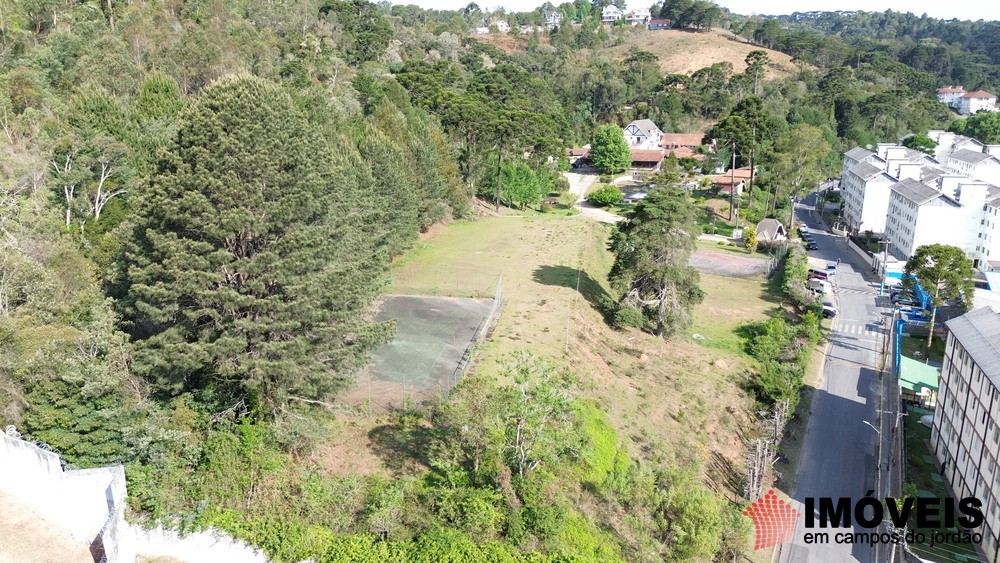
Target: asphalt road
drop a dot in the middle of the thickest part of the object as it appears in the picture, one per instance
(838, 454)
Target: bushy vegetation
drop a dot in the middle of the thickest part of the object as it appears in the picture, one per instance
(199, 204)
(782, 344)
(605, 196)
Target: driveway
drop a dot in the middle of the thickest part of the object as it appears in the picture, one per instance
(579, 184)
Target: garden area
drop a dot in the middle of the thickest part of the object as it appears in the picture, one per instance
(916, 347)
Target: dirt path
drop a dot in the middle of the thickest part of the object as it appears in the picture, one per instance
(25, 535)
(580, 184)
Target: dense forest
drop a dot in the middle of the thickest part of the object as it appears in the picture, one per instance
(953, 51)
(200, 201)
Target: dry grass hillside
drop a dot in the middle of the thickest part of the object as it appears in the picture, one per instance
(679, 51)
(678, 400)
(683, 52)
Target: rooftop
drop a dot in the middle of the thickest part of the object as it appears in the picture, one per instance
(950, 90)
(971, 157)
(646, 155)
(865, 171)
(916, 376)
(978, 94)
(858, 153)
(915, 191)
(979, 333)
(648, 128)
(682, 139)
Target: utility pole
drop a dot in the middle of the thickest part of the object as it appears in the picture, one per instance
(732, 184)
(791, 213)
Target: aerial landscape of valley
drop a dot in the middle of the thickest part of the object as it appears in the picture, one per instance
(333, 280)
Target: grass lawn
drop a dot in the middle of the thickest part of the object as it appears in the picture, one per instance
(676, 400)
(918, 472)
(916, 346)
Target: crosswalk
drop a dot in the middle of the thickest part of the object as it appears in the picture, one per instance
(855, 291)
(859, 329)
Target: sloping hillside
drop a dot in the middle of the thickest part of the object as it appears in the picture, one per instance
(679, 51)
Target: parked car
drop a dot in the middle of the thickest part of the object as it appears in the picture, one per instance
(818, 274)
(811, 246)
(818, 285)
(829, 311)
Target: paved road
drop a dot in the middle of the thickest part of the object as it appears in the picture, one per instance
(579, 184)
(838, 454)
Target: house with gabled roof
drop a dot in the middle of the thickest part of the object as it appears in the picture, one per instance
(611, 13)
(643, 134)
(950, 95)
(971, 103)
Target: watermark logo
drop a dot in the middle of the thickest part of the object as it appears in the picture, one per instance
(868, 520)
(773, 520)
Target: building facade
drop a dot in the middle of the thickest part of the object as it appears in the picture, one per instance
(866, 197)
(643, 134)
(950, 95)
(972, 103)
(611, 13)
(965, 435)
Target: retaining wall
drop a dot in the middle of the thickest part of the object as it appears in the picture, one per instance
(90, 505)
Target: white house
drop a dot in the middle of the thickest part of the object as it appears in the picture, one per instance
(974, 102)
(770, 230)
(638, 16)
(866, 197)
(643, 134)
(553, 18)
(950, 95)
(611, 13)
(965, 433)
(480, 31)
(502, 26)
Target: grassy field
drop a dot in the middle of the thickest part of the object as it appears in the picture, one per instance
(677, 400)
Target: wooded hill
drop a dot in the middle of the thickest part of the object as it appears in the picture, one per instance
(200, 200)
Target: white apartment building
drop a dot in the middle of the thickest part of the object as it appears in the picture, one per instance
(948, 142)
(866, 197)
(638, 16)
(858, 154)
(976, 165)
(972, 103)
(965, 436)
(987, 255)
(947, 214)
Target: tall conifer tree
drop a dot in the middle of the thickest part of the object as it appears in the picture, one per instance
(249, 272)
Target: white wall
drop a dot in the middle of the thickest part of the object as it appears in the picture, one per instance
(90, 503)
(876, 206)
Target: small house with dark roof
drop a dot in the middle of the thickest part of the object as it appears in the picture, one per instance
(659, 23)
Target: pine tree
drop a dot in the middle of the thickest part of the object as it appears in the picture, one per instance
(249, 271)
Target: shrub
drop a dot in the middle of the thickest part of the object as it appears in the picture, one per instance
(605, 178)
(628, 316)
(560, 184)
(605, 196)
(568, 199)
(545, 207)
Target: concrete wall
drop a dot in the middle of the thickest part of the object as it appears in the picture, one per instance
(89, 504)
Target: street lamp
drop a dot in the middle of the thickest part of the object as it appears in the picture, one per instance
(878, 460)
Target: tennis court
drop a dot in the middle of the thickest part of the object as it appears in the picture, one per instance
(434, 340)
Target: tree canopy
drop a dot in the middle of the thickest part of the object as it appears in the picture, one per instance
(945, 273)
(608, 150)
(651, 272)
(244, 275)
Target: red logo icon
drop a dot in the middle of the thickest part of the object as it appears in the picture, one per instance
(773, 520)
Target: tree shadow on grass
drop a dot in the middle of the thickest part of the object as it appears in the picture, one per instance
(403, 443)
(589, 288)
